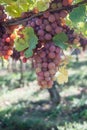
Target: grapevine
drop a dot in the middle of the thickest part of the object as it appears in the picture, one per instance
(46, 26)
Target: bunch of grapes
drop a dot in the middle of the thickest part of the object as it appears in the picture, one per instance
(48, 25)
(46, 61)
(46, 57)
(6, 43)
(6, 38)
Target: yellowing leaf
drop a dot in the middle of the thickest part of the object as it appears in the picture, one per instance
(62, 79)
(63, 75)
(63, 70)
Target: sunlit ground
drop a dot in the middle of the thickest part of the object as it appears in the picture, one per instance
(28, 108)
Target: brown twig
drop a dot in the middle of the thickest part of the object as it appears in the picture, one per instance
(19, 20)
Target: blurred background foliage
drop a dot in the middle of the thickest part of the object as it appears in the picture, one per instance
(24, 106)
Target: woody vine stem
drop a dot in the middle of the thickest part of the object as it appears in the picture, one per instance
(19, 20)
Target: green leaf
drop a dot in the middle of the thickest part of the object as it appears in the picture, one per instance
(78, 14)
(33, 40)
(60, 40)
(28, 53)
(20, 44)
(30, 40)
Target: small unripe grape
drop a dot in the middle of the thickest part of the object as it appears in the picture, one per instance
(54, 6)
(59, 5)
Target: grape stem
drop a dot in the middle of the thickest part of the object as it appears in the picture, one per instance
(20, 20)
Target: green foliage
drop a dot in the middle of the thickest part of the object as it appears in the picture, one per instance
(42, 5)
(23, 6)
(33, 40)
(78, 14)
(78, 19)
(60, 40)
(29, 41)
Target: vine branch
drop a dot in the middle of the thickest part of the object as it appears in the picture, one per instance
(19, 20)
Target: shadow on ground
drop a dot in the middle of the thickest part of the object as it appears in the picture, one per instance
(41, 115)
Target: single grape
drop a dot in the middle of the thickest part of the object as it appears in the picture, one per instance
(38, 21)
(48, 28)
(52, 71)
(46, 74)
(44, 64)
(52, 48)
(51, 18)
(51, 65)
(40, 32)
(58, 30)
(48, 36)
(38, 70)
(24, 60)
(46, 14)
(51, 55)
(50, 83)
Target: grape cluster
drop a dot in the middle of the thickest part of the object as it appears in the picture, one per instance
(48, 25)
(46, 61)
(6, 45)
(6, 38)
(47, 56)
